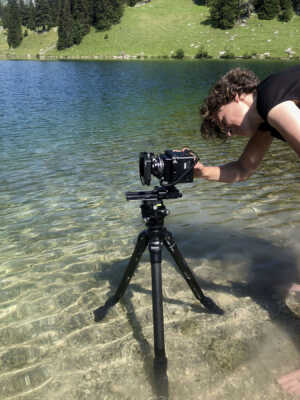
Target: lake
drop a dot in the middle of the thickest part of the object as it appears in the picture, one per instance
(70, 138)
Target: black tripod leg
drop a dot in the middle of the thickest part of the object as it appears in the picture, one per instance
(140, 247)
(155, 248)
(188, 274)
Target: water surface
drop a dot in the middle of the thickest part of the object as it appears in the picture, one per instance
(70, 137)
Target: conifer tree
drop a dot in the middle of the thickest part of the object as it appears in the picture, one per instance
(102, 12)
(1, 12)
(296, 5)
(42, 15)
(54, 11)
(31, 16)
(65, 31)
(4, 16)
(224, 13)
(107, 13)
(80, 13)
(230, 14)
(214, 11)
(118, 10)
(23, 12)
(268, 9)
(286, 12)
(14, 29)
(91, 6)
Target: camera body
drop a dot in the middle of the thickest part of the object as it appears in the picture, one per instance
(171, 167)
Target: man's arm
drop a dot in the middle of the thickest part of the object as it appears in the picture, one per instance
(285, 118)
(241, 169)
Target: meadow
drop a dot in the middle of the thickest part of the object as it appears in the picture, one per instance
(159, 28)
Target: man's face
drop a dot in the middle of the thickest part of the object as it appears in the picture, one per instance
(231, 117)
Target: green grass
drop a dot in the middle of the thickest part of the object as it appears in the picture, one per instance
(163, 26)
(32, 45)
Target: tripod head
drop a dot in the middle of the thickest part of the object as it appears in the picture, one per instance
(153, 208)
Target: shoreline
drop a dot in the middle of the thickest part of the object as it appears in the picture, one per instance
(38, 57)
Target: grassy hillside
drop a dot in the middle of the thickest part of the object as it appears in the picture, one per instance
(161, 27)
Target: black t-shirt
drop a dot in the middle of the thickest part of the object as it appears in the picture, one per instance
(275, 89)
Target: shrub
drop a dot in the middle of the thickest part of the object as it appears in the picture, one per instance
(202, 53)
(249, 55)
(227, 54)
(285, 15)
(179, 54)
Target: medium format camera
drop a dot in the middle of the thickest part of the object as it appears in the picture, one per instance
(171, 167)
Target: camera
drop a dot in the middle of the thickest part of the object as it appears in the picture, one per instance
(171, 167)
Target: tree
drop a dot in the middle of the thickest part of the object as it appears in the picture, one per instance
(76, 17)
(42, 15)
(1, 11)
(286, 12)
(132, 3)
(31, 16)
(214, 11)
(14, 29)
(80, 13)
(23, 12)
(224, 13)
(91, 6)
(296, 5)
(246, 8)
(268, 9)
(54, 11)
(65, 31)
(118, 11)
(102, 11)
(107, 13)
(231, 12)
(4, 17)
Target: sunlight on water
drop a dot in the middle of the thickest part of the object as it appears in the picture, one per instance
(70, 138)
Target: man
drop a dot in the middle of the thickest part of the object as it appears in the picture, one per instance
(240, 105)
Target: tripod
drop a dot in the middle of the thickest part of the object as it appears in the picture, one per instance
(155, 237)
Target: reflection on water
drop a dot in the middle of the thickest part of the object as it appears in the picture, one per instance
(69, 143)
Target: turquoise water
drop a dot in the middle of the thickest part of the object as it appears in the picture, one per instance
(70, 137)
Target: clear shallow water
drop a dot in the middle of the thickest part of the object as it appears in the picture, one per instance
(70, 137)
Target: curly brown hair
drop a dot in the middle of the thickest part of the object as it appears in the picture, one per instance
(235, 82)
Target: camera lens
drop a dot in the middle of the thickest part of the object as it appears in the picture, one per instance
(157, 166)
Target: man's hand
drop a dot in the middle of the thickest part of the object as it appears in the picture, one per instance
(198, 170)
